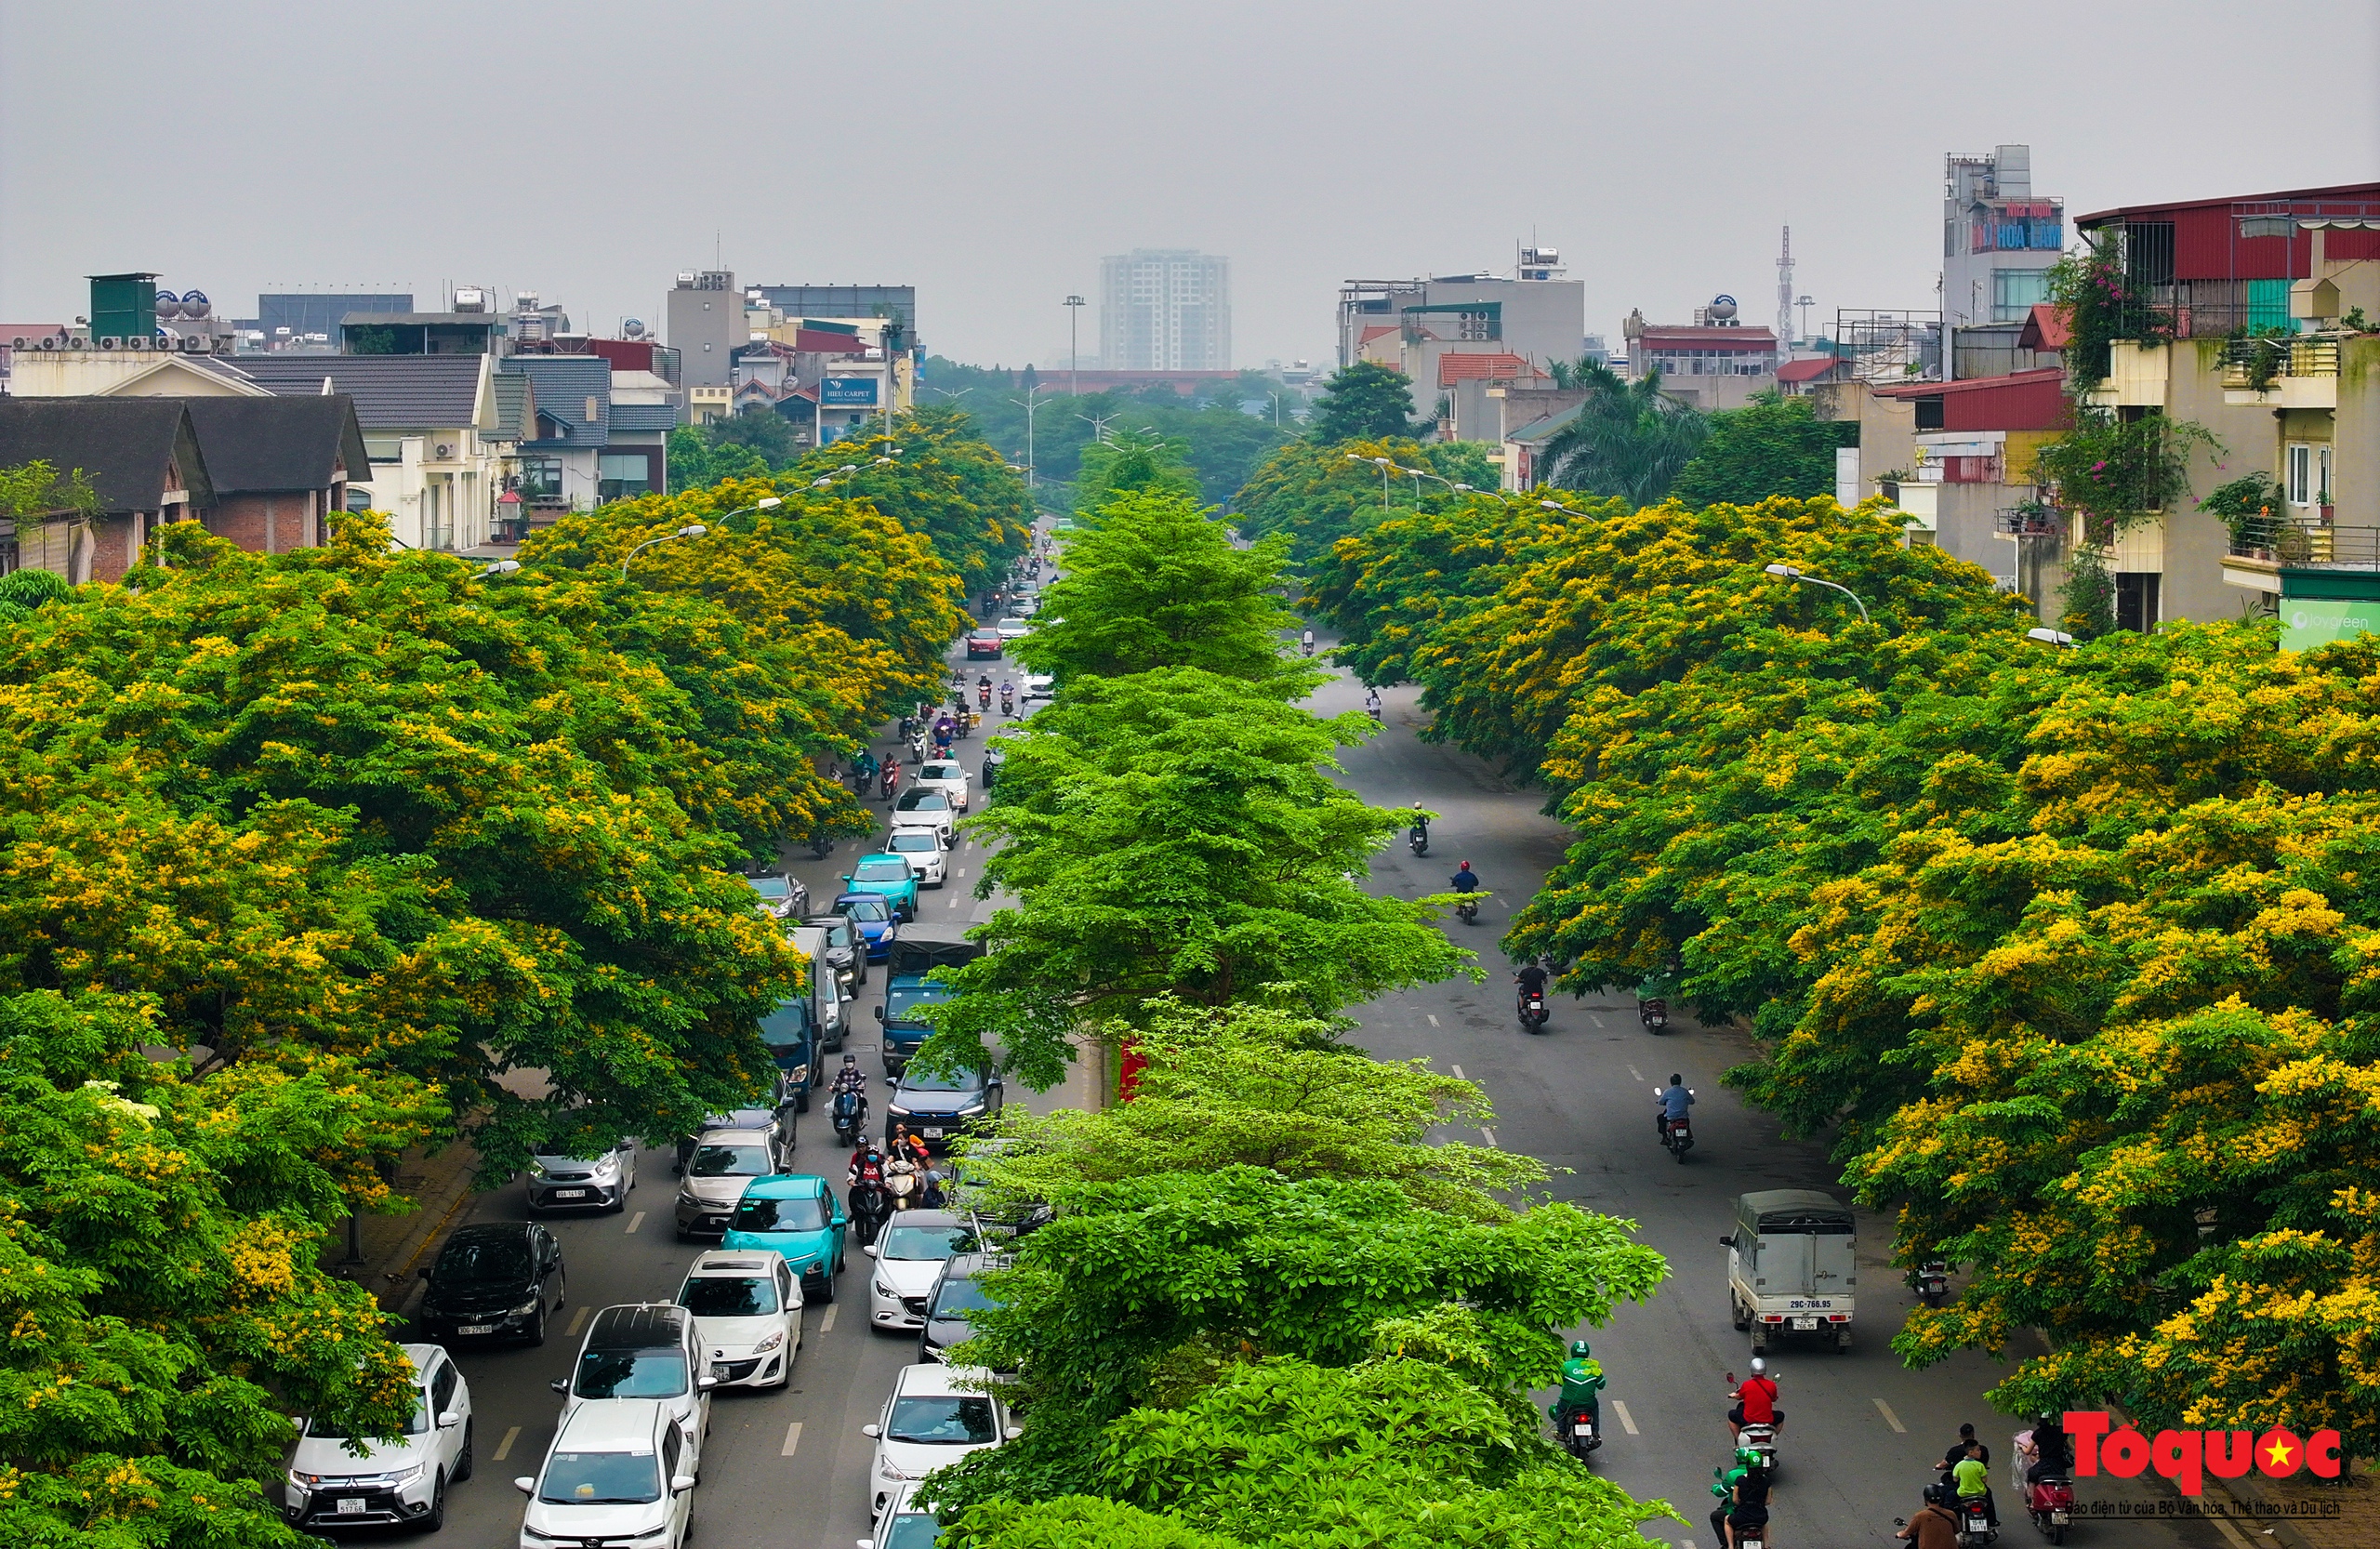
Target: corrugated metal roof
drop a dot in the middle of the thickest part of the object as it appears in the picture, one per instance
(516, 406)
(1453, 368)
(391, 392)
(1806, 371)
(565, 384)
(1546, 427)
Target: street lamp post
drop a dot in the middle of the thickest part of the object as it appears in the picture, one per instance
(1418, 476)
(2052, 638)
(1386, 467)
(1074, 373)
(1790, 573)
(692, 530)
(1029, 403)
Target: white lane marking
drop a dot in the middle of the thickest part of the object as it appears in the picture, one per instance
(954, 901)
(963, 873)
(1457, 1073)
(503, 1448)
(792, 1440)
(1432, 1016)
(1635, 1074)
(577, 1322)
(826, 1324)
(1891, 1418)
(635, 1221)
(1489, 1135)
(1627, 1422)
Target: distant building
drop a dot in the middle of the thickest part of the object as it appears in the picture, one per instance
(1410, 324)
(1999, 238)
(1165, 309)
(1713, 362)
(706, 326)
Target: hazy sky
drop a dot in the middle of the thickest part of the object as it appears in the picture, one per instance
(990, 153)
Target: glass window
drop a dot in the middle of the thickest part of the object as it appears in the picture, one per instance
(2301, 467)
(418, 1425)
(881, 871)
(787, 1026)
(540, 478)
(955, 1421)
(917, 840)
(631, 1374)
(872, 909)
(729, 1161)
(957, 1298)
(2016, 292)
(2323, 494)
(622, 475)
(965, 1081)
(806, 1215)
(910, 1530)
(602, 1479)
(930, 1243)
(718, 1296)
(504, 1259)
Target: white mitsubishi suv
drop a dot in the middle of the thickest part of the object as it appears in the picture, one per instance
(400, 1482)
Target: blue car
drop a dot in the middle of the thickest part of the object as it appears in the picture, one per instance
(875, 917)
(794, 1214)
(889, 877)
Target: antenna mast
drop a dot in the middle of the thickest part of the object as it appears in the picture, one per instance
(1785, 289)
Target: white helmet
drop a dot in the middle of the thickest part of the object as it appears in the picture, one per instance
(1758, 1366)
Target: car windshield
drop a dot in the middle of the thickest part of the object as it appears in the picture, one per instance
(921, 1080)
(631, 1374)
(720, 1297)
(881, 871)
(1014, 622)
(900, 1004)
(839, 932)
(781, 1215)
(504, 1258)
(957, 1419)
(959, 1297)
(729, 1161)
(923, 1242)
(910, 1530)
(942, 771)
(875, 911)
(915, 841)
(771, 888)
(602, 1479)
(417, 1424)
(786, 1026)
(919, 799)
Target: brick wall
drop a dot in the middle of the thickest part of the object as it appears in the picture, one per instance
(265, 524)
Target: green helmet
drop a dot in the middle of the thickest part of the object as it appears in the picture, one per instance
(1747, 1457)
(1578, 1348)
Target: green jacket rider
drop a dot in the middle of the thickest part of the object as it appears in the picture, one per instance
(1583, 1378)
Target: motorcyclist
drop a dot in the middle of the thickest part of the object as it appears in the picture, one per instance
(1727, 1487)
(850, 1077)
(1669, 1106)
(1008, 697)
(1531, 979)
(2051, 1455)
(1306, 641)
(1969, 1448)
(901, 1177)
(991, 772)
(1755, 1400)
(1420, 829)
(867, 1165)
(1583, 1381)
(906, 1143)
(1465, 880)
(1371, 703)
(1748, 1509)
(1934, 1526)
(889, 784)
(865, 768)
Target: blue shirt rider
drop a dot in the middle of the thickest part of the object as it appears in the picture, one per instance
(1465, 880)
(1674, 1102)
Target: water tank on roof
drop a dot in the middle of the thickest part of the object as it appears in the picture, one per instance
(1723, 307)
(470, 298)
(168, 304)
(633, 328)
(195, 304)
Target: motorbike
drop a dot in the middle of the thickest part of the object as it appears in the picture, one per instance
(1417, 840)
(849, 1113)
(1309, 648)
(1533, 1011)
(1677, 1134)
(2050, 1500)
(888, 786)
(984, 697)
(1008, 704)
(1974, 1523)
(1931, 1280)
(1374, 711)
(1762, 1440)
(871, 1206)
(1467, 910)
(1655, 1015)
(917, 746)
(821, 846)
(1578, 1431)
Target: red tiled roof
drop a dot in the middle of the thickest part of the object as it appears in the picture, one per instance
(2045, 328)
(1966, 384)
(1373, 331)
(1806, 371)
(1465, 368)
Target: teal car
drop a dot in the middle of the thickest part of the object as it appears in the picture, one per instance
(794, 1214)
(889, 875)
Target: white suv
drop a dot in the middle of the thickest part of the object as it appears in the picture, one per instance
(404, 1481)
(936, 1416)
(615, 1473)
(644, 1352)
(946, 776)
(925, 852)
(747, 1315)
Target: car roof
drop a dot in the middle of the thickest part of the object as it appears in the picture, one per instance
(934, 1380)
(786, 1185)
(875, 898)
(487, 1231)
(882, 855)
(421, 1356)
(612, 1424)
(923, 1218)
(638, 1326)
(733, 1137)
(734, 1261)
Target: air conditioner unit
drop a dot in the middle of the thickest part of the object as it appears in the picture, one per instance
(78, 341)
(135, 341)
(21, 342)
(50, 342)
(446, 450)
(111, 341)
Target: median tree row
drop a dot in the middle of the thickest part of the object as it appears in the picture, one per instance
(1267, 1309)
(303, 854)
(2070, 952)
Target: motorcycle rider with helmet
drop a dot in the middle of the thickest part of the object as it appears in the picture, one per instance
(1583, 1383)
(1755, 1400)
(1669, 1106)
(1531, 979)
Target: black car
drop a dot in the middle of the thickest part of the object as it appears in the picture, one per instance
(499, 1280)
(957, 1297)
(846, 953)
(938, 1109)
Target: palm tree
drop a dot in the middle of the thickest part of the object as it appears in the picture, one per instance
(1628, 439)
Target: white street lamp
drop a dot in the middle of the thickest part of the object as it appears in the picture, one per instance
(694, 529)
(1790, 573)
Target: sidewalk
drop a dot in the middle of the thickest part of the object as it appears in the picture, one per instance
(394, 1246)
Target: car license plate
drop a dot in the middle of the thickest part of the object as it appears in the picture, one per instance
(1805, 1323)
(569, 1193)
(934, 1134)
(350, 1506)
(475, 1329)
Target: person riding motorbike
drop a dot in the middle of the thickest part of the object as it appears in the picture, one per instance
(1371, 703)
(1583, 1383)
(1726, 1487)
(1008, 697)
(909, 1144)
(983, 693)
(1755, 1400)
(1420, 826)
(871, 1204)
(901, 1177)
(1934, 1526)
(888, 784)
(1670, 1106)
(1307, 642)
(850, 1077)
(2050, 1455)
(1465, 880)
(1970, 1448)
(1531, 979)
(863, 768)
(867, 1165)
(1747, 1510)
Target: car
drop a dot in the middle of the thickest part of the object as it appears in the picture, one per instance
(1014, 626)
(933, 1418)
(771, 1120)
(492, 1279)
(846, 954)
(983, 643)
(789, 1032)
(889, 875)
(617, 1473)
(924, 807)
(644, 1352)
(797, 1216)
(398, 1481)
(923, 848)
(910, 1253)
(998, 1215)
(873, 918)
(946, 776)
(957, 1296)
(907, 1523)
(724, 1161)
(748, 1316)
(780, 896)
(560, 1183)
(937, 1109)
(1038, 685)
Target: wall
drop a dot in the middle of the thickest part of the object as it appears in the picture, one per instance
(99, 373)
(704, 325)
(269, 524)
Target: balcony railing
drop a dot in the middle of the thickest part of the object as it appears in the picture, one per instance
(2300, 543)
(2030, 522)
(2246, 361)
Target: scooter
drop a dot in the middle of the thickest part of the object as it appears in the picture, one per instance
(1467, 911)
(871, 1206)
(1655, 1015)
(821, 846)
(2050, 1500)
(1418, 840)
(851, 1116)
(984, 697)
(1374, 711)
(1008, 704)
(1931, 1280)
(1309, 647)
(1578, 1431)
(917, 746)
(1758, 1437)
(1974, 1523)
(1533, 1011)
(890, 784)
(1677, 1134)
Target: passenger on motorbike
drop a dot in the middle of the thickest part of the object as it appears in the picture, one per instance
(1671, 1105)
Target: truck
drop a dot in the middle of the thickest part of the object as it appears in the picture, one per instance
(919, 950)
(1791, 1267)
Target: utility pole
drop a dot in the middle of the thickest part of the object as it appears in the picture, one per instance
(1074, 373)
(1029, 403)
(1785, 290)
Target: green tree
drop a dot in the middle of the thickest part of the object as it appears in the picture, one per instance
(1316, 495)
(1773, 445)
(1363, 402)
(1157, 583)
(1628, 439)
(1131, 465)
(938, 479)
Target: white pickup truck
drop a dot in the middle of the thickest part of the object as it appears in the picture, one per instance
(1790, 1267)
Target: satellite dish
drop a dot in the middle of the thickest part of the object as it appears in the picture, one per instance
(633, 328)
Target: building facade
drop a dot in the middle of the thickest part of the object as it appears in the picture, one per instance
(1414, 325)
(1999, 238)
(705, 325)
(1165, 309)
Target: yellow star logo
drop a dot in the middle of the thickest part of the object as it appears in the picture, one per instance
(2278, 1453)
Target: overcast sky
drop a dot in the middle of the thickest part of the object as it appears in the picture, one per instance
(989, 153)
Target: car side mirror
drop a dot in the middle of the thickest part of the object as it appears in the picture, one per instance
(847, 876)
(879, 1016)
(559, 1385)
(704, 1383)
(868, 1248)
(1726, 1242)
(451, 1419)
(525, 1485)
(423, 1272)
(683, 1483)
(871, 1431)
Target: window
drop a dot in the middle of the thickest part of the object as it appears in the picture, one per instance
(622, 475)
(436, 515)
(2016, 292)
(540, 478)
(2300, 478)
(441, 1389)
(2137, 602)
(1929, 413)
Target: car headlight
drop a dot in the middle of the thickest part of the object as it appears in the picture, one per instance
(881, 1289)
(886, 1469)
(303, 1483)
(897, 1111)
(609, 1166)
(536, 1168)
(400, 1478)
(526, 1309)
(768, 1344)
(975, 1106)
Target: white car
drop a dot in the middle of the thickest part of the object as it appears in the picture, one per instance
(908, 1523)
(404, 1481)
(748, 1316)
(1040, 685)
(1014, 626)
(923, 848)
(946, 776)
(638, 1353)
(937, 1415)
(616, 1473)
(909, 1254)
(924, 807)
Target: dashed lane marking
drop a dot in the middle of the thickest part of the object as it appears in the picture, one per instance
(792, 1440)
(1635, 1074)
(1432, 1016)
(635, 1221)
(1891, 1418)
(1627, 1420)
(577, 1322)
(826, 1324)
(1457, 1073)
(1489, 1135)
(503, 1448)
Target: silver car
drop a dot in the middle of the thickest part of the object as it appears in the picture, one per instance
(722, 1163)
(581, 1183)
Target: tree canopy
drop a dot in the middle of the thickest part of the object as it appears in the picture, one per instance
(1628, 439)
(1363, 402)
(1772, 446)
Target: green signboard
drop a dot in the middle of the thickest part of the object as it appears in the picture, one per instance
(2306, 622)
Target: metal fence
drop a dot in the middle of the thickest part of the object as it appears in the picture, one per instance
(2298, 542)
